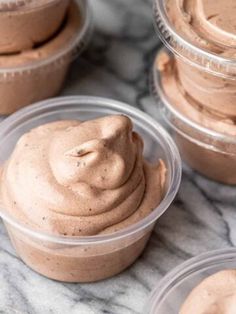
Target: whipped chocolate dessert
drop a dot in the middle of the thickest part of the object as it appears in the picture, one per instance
(27, 23)
(208, 24)
(188, 105)
(211, 26)
(80, 179)
(39, 73)
(214, 295)
(217, 160)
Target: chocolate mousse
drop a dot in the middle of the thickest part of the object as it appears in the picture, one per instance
(39, 73)
(214, 295)
(80, 179)
(211, 156)
(26, 23)
(209, 26)
(188, 105)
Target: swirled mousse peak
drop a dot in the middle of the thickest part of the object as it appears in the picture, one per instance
(210, 24)
(81, 178)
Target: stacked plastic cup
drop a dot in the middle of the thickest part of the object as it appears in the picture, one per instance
(196, 82)
(38, 41)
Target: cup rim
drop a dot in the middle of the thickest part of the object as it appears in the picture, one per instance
(5, 5)
(170, 148)
(161, 96)
(181, 272)
(183, 48)
(73, 48)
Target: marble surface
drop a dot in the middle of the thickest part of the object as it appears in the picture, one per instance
(117, 64)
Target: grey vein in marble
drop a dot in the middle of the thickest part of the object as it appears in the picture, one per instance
(117, 64)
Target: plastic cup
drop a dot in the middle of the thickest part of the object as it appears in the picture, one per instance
(39, 78)
(85, 259)
(174, 288)
(211, 153)
(206, 73)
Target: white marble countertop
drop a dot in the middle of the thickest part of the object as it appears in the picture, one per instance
(203, 217)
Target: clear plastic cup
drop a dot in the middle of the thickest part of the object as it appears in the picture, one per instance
(26, 23)
(211, 153)
(35, 79)
(174, 288)
(84, 259)
(205, 71)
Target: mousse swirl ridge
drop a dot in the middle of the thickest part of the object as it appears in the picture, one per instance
(81, 178)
